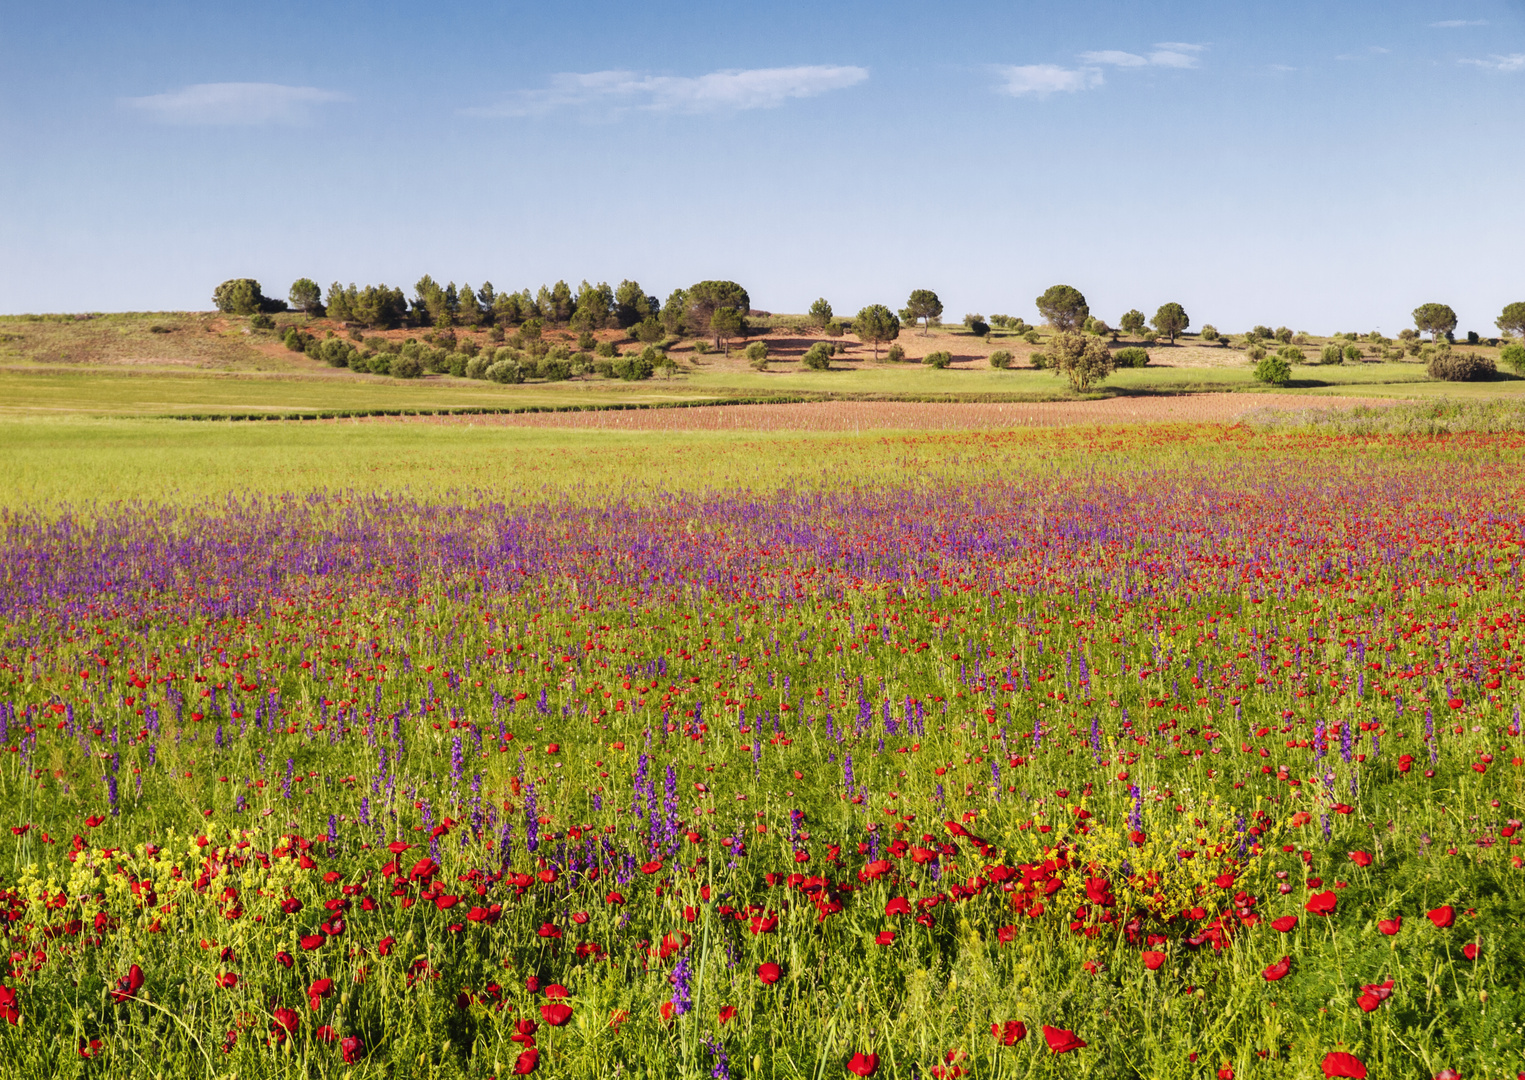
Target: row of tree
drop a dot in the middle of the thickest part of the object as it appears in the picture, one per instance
(717, 309)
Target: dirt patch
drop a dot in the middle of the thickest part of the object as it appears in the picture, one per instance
(832, 416)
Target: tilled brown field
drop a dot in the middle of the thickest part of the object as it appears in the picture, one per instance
(916, 415)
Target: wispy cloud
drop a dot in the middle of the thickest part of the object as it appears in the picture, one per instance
(234, 104)
(1457, 24)
(1512, 62)
(718, 91)
(1041, 80)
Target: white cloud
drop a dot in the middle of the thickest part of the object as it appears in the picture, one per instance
(1172, 58)
(758, 88)
(1041, 80)
(1115, 57)
(234, 104)
(1280, 67)
(1456, 24)
(1512, 62)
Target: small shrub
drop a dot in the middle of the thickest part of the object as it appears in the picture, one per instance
(1460, 367)
(895, 354)
(555, 369)
(470, 347)
(476, 367)
(977, 325)
(1332, 354)
(938, 359)
(1273, 370)
(604, 367)
(406, 367)
(1353, 353)
(361, 364)
(1209, 333)
(1039, 360)
(1256, 352)
(295, 340)
(1513, 355)
(606, 349)
(261, 322)
(381, 363)
(1000, 359)
(1150, 337)
(757, 352)
(817, 357)
(701, 347)
(459, 362)
(586, 341)
(1292, 354)
(1031, 337)
(1300, 339)
(1284, 335)
(157, 328)
(1133, 356)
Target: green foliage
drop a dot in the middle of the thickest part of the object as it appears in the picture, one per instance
(1273, 370)
(593, 307)
(468, 311)
(1512, 321)
(674, 313)
(297, 340)
(632, 306)
(923, 306)
(976, 325)
(1513, 356)
(757, 351)
(261, 321)
(1000, 359)
(637, 366)
(1063, 307)
(938, 359)
(1283, 335)
(1331, 354)
(1031, 337)
(1353, 353)
(306, 297)
(895, 354)
(1171, 319)
(586, 341)
(505, 371)
(1083, 359)
(707, 298)
(406, 367)
(817, 357)
(1132, 322)
(1292, 354)
(241, 296)
(820, 313)
(1039, 360)
(875, 325)
(1131, 357)
(477, 366)
(1209, 333)
(606, 349)
(375, 306)
(727, 323)
(649, 331)
(1434, 319)
(1455, 366)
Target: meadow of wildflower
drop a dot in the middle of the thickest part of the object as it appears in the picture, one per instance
(1147, 752)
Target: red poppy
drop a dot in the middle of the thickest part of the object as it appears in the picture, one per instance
(312, 941)
(863, 1064)
(1470, 951)
(1284, 924)
(128, 985)
(1442, 917)
(651, 867)
(1373, 995)
(352, 1048)
(527, 1062)
(556, 1013)
(228, 980)
(397, 847)
(8, 1005)
(1009, 1033)
(1061, 1040)
(614, 898)
(284, 959)
(1360, 858)
(1390, 926)
(1153, 960)
(384, 946)
(885, 937)
(326, 1033)
(1278, 970)
(1322, 903)
(1006, 935)
(524, 1031)
(286, 1022)
(1342, 1064)
(898, 905)
(769, 973)
(1226, 1073)
(727, 1014)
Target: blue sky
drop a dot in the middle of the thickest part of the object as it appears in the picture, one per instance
(1324, 165)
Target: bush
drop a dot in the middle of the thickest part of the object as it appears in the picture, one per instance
(297, 340)
(817, 357)
(1031, 337)
(1292, 354)
(406, 367)
(1332, 354)
(1000, 359)
(1284, 335)
(938, 359)
(476, 367)
(361, 364)
(505, 371)
(1353, 353)
(1150, 337)
(635, 368)
(895, 355)
(586, 341)
(604, 367)
(606, 349)
(1133, 356)
(1513, 355)
(1209, 333)
(1256, 352)
(1460, 367)
(381, 364)
(701, 347)
(757, 352)
(1273, 370)
(265, 322)
(458, 364)
(1039, 360)
(555, 369)
(977, 325)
